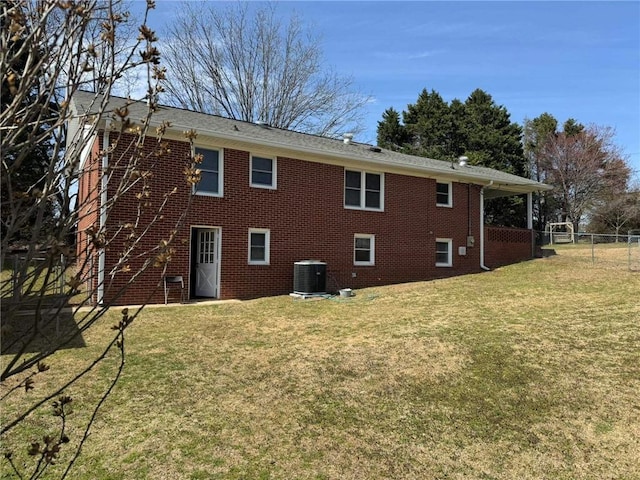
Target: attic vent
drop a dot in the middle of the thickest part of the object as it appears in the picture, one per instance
(347, 137)
(375, 149)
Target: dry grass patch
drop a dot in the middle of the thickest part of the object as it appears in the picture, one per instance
(530, 371)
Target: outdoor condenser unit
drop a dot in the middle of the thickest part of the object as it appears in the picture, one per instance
(309, 277)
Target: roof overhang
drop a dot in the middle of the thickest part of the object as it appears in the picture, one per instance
(497, 190)
(496, 183)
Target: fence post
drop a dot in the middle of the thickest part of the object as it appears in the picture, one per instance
(630, 243)
(593, 251)
(63, 270)
(15, 286)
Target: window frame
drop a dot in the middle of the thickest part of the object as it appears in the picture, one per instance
(372, 249)
(267, 246)
(449, 203)
(449, 243)
(363, 190)
(220, 192)
(274, 171)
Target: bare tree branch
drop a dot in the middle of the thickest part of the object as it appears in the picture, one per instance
(249, 65)
(583, 167)
(50, 51)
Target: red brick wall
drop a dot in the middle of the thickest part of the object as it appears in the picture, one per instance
(506, 245)
(307, 220)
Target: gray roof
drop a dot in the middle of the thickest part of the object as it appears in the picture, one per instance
(315, 148)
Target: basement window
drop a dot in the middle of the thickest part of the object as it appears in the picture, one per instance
(444, 252)
(364, 249)
(259, 246)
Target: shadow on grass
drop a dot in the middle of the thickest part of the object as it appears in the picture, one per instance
(546, 252)
(22, 330)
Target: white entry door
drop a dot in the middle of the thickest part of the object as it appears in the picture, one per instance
(207, 263)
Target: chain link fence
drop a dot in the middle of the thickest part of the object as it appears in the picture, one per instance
(620, 251)
(24, 277)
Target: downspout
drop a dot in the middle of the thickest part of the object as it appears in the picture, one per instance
(482, 265)
(104, 181)
(530, 223)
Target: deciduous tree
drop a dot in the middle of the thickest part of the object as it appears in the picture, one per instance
(49, 51)
(617, 214)
(245, 63)
(585, 167)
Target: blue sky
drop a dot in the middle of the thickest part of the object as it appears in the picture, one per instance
(571, 59)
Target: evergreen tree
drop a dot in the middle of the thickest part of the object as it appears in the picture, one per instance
(391, 133)
(429, 126)
(492, 140)
(536, 133)
(477, 128)
(457, 135)
(24, 171)
(571, 127)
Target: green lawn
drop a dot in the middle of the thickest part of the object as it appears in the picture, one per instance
(531, 371)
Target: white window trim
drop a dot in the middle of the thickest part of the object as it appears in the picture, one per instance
(449, 263)
(267, 248)
(220, 192)
(363, 190)
(274, 172)
(372, 250)
(449, 204)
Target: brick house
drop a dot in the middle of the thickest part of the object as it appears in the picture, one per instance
(270, 197)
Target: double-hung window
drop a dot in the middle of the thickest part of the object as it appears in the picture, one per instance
(443, 194)
(263, 172)
(443, 252)
(364, 249)
(259, 246)
(364, 190)
(210, 173)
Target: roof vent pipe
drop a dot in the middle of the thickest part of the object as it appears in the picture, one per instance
(462, 161)
(347, 137)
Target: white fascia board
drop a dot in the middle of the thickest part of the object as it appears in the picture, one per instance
(90, 139)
